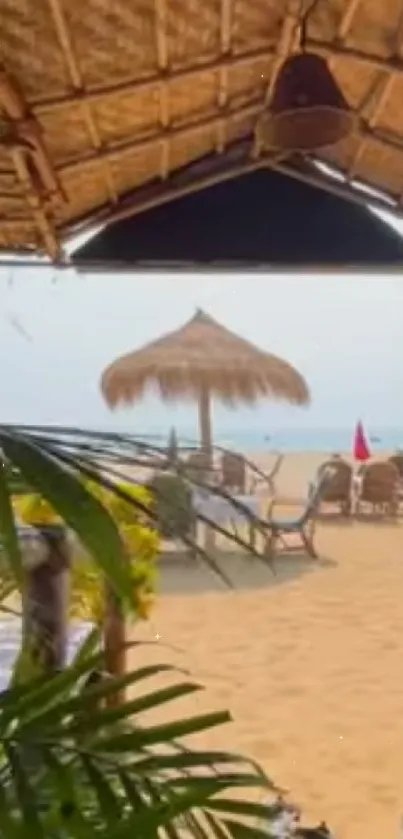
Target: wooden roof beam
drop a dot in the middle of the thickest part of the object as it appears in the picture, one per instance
(39, 215)
(161, 40)
(388, 65)
(28, 129)
(73, 70)
(225, 47)
(340, 188)
(214, 169)
(350, 10)
(195, 177)
(134, 144)
(377, 103)
(37, 177)
(286, 44)
(344, 26)
(252, 110)
(381, 94)
(15, 221)
(186, 74)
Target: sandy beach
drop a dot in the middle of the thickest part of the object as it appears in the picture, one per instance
(309, 662)
(298, 469)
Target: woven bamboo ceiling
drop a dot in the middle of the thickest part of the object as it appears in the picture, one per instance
(110, 107)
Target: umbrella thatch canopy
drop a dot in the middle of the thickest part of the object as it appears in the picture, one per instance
(199, 361)
(110, 108)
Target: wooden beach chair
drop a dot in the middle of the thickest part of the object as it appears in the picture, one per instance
(397, 460)
(380, 489)
(339, 487)
(196, 466)
(234, 473)
(240, 476)
(303, 527)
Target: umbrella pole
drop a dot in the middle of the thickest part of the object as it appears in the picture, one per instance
(206, 447)
(205, 424)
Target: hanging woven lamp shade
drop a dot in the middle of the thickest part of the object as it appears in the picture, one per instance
(308, 110)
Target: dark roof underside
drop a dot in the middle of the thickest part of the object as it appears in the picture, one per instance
(260, 217)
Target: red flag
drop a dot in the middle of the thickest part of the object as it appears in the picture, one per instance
(361, 449)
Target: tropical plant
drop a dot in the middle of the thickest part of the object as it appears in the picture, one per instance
(87, 599)
(15, 480)
(70, 767)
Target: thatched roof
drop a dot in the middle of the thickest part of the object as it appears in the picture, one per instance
(287, 223)
(108, 108)
(203, 355)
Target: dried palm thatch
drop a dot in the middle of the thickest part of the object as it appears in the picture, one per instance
(199, 361)
(110, 108)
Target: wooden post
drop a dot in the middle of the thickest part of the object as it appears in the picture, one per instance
(45, 601)
(206, 445)
(114, 643)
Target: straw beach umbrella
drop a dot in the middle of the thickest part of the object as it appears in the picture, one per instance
(203, 360)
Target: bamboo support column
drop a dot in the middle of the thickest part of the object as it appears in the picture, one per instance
(205, 424)
(114, 643)
(45, 601)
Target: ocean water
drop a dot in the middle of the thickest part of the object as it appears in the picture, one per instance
(327, 440)
(304, 440)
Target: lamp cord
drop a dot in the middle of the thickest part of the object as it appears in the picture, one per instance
(304, 23)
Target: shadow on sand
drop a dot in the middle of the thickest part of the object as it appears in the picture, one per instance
(181, 574)
(334, 518)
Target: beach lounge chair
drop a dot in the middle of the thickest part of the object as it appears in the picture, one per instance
(234, 473)
(303, 527)
(243, 478)
(380, 488)
(397, 459)
(196, 466)
(338, 489)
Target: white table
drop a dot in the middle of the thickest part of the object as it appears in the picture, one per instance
(222, 512)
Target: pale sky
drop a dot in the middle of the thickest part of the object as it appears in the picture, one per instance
(59, 331)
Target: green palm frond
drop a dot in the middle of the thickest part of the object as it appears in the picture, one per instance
(86, 772)
(53, 462)
(71, 766)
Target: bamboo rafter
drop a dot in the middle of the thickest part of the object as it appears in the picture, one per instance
(347, 17)
(235, 162)
(127, 146)
(119, 103)
(69, 58)
(375, 62)
(161, 39)
(196, 177)
(345, 24)
(287, 43)
(132, 144)
(225, 44)
(385, 84)
(149, 83)
(31, 162)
